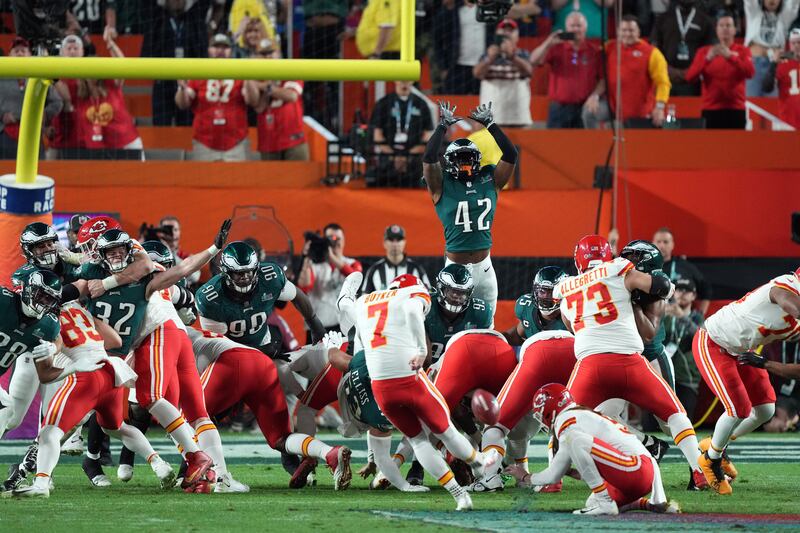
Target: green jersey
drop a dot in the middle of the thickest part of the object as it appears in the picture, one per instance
(439, 328)
(67, 272)
(466, 210)
(123, 308)
(528, 314)
(360, 400)
(19, 334)
(246, 320)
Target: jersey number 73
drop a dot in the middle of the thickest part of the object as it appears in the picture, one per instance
(606, 310)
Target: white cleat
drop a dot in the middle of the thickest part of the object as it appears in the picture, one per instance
(380, 482)
(492, 463)
(166, 475)
(414, 488)
(100, 481)
(74, 445)
(33, 491)
(124, 473)
(350, 288)
(464, 502)
(493, 483)
(226, 484)
(599, 506)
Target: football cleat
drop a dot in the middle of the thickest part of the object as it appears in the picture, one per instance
(350, 288)
(16, 476)
(414, 488)
(712, 469)
(598, 505)
(492, 483)
(32, 491)
(416, 474)
(226, 484)
(94, 471)
(463, 502)
(549, 489)
(163, 471)
(302, 473)
(29, 460)
(658, 449)
(74, 445)
(338, 460)
(727, 464)
(697, 480)
(124, 472)
(198, 465)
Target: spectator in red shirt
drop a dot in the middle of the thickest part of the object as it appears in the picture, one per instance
(63, 133)
(220, 111)
(644, 79)
(575, 72)
(723, 67)
(787, 75)
(279, 105)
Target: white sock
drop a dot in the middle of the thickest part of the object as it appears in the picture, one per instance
(49, 452)
(210, 442)
(403, 453)
(307, 446)
(758, 415)
(682, 431)
(133, 439)
(459, 446)
(723, 430)
(381, 448)
(494, 441)
(171, 419)
(431, 460)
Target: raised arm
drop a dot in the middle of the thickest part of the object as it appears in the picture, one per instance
(505, 167)
(431, 168)
(659, 286)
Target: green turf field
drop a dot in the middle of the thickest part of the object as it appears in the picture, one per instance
(765, 487)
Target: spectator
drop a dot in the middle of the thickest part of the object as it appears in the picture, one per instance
(75, 223)
(101, 117)
(594, 11)
(323, 281)
(679, 268)
(12, 92)
(401, 125)
(643, 76)
(723, 67)
(786, 75)
(768, 23)
(680, 324)
(244, 11)
(394, 264)
(172, 239)
(63, 131)
(678, 33)
(175, 28)
(87, 14)
(324, 23)
(575, 72)
(279, 106)
(505, 72)
(220, 111)
(376, 36)
(254, 32)
(460, 42)
(643, 11)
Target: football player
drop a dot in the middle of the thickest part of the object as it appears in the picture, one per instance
(465, 195)
(767, 314)
(596, 304)
(538, 310)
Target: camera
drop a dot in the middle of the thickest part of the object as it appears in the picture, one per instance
(154, 233)
(567, 36)
(492, 11)
(41, 22)
(318, 249)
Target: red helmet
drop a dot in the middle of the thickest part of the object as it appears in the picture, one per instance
(797, 273)
(549, 401)
(590, 251)
(91, 230)
(404, 280)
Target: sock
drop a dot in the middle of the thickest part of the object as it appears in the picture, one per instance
(139, 418)
(94, 437)
(452, 486)
(518, 450)
(307, 446)
(306, 419)
(758, 415)
(723, 430)
(49, 452)
(93, 456)
(210, 442)
(459, 446)
(432, 462)
(381, 447)
(685, 438)
(133, 439)
(171, 420)
(403, 452)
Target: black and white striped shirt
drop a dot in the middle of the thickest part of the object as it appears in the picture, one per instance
(383, 272)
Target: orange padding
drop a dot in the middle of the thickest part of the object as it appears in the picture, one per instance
(10, 254)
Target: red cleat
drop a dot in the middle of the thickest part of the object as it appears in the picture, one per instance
(555, 487)
(338, 460)
(698, 481)
(198, 464)
(300, 476)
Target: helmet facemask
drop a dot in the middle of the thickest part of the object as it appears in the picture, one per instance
(117, 258)
(543, 296)
(38, 298)
(453, 299)
(44, 254)
(240, 281)
(462, 160)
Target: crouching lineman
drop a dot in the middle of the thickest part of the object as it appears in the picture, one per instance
(614, 464)
(390, 326)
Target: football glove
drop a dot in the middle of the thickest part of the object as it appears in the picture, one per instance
(447, 115)
(222, 235)
(483, 114)
(187, 316)
(44, 350)
(752, 359)
(333, 339)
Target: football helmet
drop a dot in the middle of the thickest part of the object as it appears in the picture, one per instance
(90, 231)
(644, 255)
(41, 294)
(404, 280)
(549, 401)
(110, 240)
(35, 235)
(592, 250)
(159, 253)
(454, 286)
(543, 284)
(462, 159)
(238, 264)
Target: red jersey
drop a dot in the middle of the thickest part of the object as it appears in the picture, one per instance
(638, 84)
(723, 79)
(573, 72)
(220, 113)
(280, 125)
(788, 77)
(104, 122)
(64, 124)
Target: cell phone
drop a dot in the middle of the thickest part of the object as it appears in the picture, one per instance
(566, 36)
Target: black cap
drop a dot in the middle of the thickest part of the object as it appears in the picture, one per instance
(685, 284)
(76, 222)
(394, 233)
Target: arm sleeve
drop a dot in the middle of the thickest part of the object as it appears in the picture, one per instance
(213, 326)
(553, 473)
(505, 144)
(348, 269)
(288, 292)
(431, 155)
(698, 64)
(657, 67)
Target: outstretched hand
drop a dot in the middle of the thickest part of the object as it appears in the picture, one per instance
(222, 235)
(447, 116)
(483, 114)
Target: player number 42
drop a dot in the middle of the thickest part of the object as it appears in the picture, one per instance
(463, 219)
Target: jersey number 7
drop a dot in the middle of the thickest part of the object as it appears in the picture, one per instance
(382, 311)
(606, 310)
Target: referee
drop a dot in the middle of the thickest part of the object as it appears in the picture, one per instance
(394, 264)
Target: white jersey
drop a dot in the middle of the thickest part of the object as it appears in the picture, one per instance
(754, 320)
(391, 327)
(160, 310)
(600, 427)
(208, 346)
(598, 306)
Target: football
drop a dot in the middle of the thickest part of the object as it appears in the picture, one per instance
(484, 406)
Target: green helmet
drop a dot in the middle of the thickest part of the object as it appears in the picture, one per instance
(109, 240)
(645, 256)
(159, 253)
(33, 235)
(41, 294)
(543, 284)
(238, 264)
(454, 286)
(462, 159)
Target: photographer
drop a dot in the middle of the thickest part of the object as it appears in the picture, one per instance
(324, 268)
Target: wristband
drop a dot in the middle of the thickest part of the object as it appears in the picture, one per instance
(213, 250)
(110, 283)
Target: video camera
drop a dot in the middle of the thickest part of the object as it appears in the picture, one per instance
(318, 249)
(154, 233)
(42, 23)
(492, 11)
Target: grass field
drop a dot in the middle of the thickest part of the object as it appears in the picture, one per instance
(767, 486)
